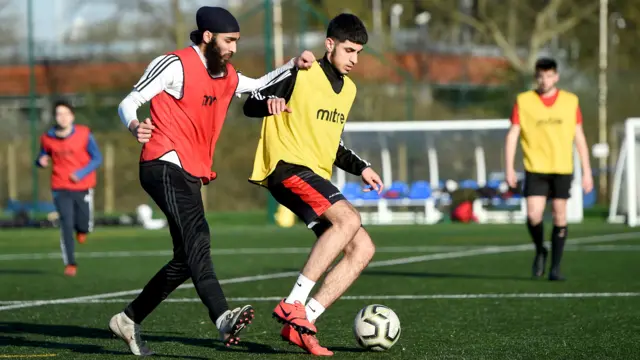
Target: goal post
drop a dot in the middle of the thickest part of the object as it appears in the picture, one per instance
(625, 190)
(418, 159)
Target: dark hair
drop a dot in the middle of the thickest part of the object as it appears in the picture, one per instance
(196, 37)
(63, 103)
(347, 27)
(546, 64)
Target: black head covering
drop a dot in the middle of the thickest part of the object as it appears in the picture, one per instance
(216, 20)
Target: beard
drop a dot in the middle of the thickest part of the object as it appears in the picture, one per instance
(545, 89)
(216, 63)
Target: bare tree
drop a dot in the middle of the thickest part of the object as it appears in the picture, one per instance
(540, 23)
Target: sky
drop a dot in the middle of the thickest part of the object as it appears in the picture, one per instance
(53, 17)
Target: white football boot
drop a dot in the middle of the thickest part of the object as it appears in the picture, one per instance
(233, 322)
(127, 330)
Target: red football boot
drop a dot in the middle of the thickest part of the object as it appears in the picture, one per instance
(70, 270)
(81, 238)
(306, 342)
(294, 315)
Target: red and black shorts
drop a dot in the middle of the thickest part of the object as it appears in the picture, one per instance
(305, 193)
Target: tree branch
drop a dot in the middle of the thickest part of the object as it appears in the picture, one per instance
(526, 7)
(570, 22)
(510, 50)
(543, 31)
(460, 16)
(541, 36)
(547, 12)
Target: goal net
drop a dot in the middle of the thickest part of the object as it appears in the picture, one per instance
(625, 190)
(428, 167)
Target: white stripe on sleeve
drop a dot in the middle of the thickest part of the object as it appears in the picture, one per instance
(248, 85)
(164, 73)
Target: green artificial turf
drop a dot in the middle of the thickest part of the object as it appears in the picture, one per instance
(460, 291)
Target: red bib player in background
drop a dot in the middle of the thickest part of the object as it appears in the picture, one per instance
(75, 156)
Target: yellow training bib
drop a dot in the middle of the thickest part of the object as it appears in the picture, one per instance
(309, 135)
(547, 133)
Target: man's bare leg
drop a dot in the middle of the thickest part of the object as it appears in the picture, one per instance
(535, 212)
(357, 255)
(558, 237)
(345, 222)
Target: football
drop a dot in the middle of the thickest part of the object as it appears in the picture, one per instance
(376, 327)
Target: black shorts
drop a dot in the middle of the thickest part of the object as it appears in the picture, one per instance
(305, 193)
(554, 186)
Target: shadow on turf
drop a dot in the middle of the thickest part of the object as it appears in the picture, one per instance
(72, 331)
(443, 275)
(42, 344)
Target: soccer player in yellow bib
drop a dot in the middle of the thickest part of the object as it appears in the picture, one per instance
(548, 121)
(304, 115)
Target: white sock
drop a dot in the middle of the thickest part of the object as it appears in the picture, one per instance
(220, 319)
(301, 290)
(314, 310)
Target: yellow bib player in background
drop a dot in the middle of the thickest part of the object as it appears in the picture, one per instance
(549, 122)
(304, 114)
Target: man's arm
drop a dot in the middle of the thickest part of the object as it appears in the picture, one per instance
(511, 142)
(96, 159)
(249, 85)
(349, 161)
(583, 153)
(280, 87)
(43, 152)
(164, 73)
(583, 149)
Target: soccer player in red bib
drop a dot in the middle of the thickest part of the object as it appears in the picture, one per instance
(74, 156)
(190, 91)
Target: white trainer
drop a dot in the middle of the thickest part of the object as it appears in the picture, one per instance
(127, 330)
(233, 322)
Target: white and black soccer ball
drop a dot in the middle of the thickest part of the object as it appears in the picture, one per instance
(376, 327)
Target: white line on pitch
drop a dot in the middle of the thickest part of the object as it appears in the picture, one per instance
(393, 297)
(399, 261)
(290, 250)
(605, 248)
(239, 251)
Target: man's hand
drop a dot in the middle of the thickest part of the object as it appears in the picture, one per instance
(587, 181)
(305, 60)
(512, 179)
(141, 130)
(372, 179)
(74, 178)
(277, 106)
(43, 160)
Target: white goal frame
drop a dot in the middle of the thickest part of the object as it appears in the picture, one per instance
(626, 165)
(383, 213)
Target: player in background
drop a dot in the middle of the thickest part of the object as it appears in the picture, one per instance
(190, 91)
(74, 156)
(304, 115)
(548, 121)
